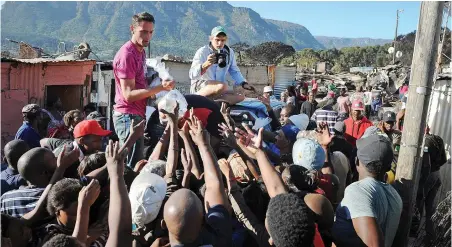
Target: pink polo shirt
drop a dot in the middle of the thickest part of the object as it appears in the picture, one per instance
(129, 63)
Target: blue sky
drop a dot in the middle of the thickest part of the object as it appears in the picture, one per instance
(342, 19)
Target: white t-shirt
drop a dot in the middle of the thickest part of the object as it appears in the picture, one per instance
(367, 198)
(368, 98)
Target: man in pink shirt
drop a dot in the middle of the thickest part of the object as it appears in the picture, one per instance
(315, 86)
(129, 67)
(343, 104)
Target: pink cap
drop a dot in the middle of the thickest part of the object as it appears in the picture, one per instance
(358, 104)
(331, 94)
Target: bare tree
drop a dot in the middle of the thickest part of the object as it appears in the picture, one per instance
(240, 47)
(270, 52)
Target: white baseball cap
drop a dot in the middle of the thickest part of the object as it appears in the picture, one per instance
(268, 89)
(146, 195)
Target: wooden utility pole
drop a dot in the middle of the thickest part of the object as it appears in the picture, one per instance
(421, 82)
(443, 37)
(395, 37)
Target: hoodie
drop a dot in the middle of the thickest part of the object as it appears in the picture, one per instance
(354, 130)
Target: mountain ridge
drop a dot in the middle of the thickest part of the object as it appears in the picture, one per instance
(181, 27)
(340, 42)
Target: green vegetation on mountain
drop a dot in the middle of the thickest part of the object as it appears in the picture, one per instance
(181, 27)
(339, 43)
(376, 56)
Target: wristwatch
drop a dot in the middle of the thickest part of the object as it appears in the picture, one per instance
(243, 83)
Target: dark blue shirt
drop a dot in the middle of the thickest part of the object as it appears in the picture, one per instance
(29, 135)
(217, 231)
(11, 180)
(19, 202)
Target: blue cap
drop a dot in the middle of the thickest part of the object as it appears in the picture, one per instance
(290, 131)
(308, 154)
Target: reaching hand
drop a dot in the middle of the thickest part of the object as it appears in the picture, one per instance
(323, 135)
(248, 129)
(186, 160)
(89, 194)
(66, 159)
(140, 165)
(184, 131)
(265, 101)
(248, 87)
(225, 110)
(197, 133)
(115, 159)
(252, 142)
(228, 135)
(172, 117)
(243, 136)
(168, 84)
(161, 242)
(225, 167)
(137, 130)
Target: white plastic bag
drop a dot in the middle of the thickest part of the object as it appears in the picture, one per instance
(158, 66)
(170, 100)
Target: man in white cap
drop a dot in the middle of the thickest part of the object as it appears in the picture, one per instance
(210, 65)
(268, 92)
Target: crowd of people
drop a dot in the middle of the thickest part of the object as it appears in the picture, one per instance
(319, 176)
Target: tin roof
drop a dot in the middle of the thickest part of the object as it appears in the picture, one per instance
(43, 60)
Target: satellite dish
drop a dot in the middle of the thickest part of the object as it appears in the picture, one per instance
(391, 50)
(398, 54)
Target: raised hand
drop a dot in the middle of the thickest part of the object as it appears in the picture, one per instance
(225, 110)
(140, 165)
(184, 131)
(248, 129)
(172, 117)
(265, 101)
(228, 135)
(252, 142)
(198, 134)
(89, 194)
(66, 159)
(225, 167)
(186, 160)
(115, 159)
(137, 130)
(323, 134)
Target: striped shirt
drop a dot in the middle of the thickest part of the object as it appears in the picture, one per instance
(19, 202)
(327, 116)
(45, 233)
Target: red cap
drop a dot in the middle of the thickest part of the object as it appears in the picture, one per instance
(89, 127)
(201, 113)
(358, 105)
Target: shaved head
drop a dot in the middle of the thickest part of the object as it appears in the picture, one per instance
(13, 151)
(37, 166)
(183, 215)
